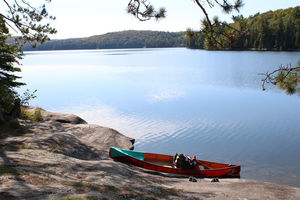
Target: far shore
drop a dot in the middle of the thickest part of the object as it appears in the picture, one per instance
(124, 48)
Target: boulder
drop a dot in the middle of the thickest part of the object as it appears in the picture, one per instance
(102, 137)
(56, 117)
(70, 135)
(63, 118)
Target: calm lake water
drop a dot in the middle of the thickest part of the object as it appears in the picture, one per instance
(204, 103)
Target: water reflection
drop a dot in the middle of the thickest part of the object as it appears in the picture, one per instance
(165, 95)
(133, 125)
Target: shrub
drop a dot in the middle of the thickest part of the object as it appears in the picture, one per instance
(35, 116)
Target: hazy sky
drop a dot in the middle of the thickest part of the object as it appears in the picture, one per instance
(82, 18)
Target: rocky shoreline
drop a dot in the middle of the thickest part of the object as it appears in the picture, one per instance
(62, 157)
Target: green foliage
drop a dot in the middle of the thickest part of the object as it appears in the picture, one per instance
(16, 146)
(24, 18)
(143, 10)
(194, 39)
(286, 78)
(288, 82)
(122, 39)
(27, 96)
(278, 30)
(9, 54)
(8, 170)
(7, 99)
(37, 115)
(33, 116)
(27, 19)
(25, 114)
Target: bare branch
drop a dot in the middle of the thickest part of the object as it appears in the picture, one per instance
(205, 13)
(26, 3)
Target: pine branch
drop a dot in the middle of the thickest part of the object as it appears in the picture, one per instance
(271, 77)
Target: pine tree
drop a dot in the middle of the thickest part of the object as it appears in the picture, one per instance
(27, 19)
(279, 34)
(9, 54)
(289, 41)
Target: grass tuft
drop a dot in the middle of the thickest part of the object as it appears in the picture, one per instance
(36, 116)
(8, 170)
(16, 146)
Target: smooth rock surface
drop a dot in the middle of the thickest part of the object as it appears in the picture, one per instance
(55, 160)
(82, 141)
(57, 117)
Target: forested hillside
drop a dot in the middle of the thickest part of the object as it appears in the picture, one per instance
(273, 30)
(123, 39)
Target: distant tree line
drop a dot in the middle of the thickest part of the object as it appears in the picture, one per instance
(122, 39)
(273, 30)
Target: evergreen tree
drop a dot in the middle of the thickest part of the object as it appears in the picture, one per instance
(21, 16)
(279, 34)
(27, 19)
(194, 39)
(9, 54)
(297, 34)
(289, 40)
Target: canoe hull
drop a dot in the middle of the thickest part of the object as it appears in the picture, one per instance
(144, 160)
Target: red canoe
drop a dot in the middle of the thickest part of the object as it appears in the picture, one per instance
(164, 163)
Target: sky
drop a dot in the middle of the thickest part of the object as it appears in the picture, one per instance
(83, 18)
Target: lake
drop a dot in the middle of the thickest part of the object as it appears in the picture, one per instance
(204, 103)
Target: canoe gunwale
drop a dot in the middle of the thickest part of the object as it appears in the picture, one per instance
(231, 170)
